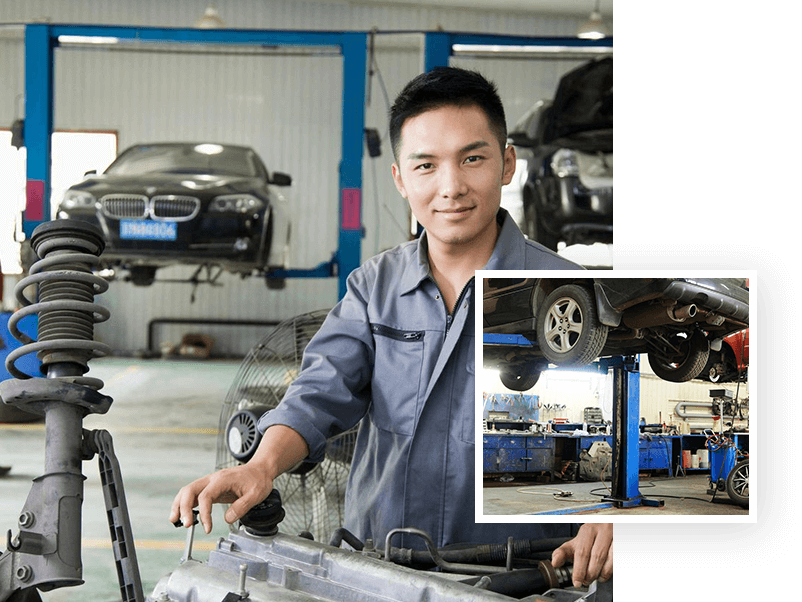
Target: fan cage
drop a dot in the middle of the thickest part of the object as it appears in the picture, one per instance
(313, 499)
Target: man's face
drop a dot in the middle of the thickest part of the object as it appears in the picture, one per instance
(450, 168)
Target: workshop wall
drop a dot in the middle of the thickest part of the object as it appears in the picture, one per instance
(658, 398)
(288, 108)
(578, 390)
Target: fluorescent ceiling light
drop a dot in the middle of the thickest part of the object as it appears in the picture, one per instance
(87, 40)
(504, 51)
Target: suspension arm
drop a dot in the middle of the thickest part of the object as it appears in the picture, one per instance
(122, 538)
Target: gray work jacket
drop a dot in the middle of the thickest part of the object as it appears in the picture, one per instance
(390, 352)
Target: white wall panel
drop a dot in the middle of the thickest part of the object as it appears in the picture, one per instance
(288, 108)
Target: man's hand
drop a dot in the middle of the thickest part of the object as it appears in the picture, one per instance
(242, 486)
(591, 551)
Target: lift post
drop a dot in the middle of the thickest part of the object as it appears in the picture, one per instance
(626, 409)
(625, 491)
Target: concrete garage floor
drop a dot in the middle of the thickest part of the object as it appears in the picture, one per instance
(164, 422)
(682, 496)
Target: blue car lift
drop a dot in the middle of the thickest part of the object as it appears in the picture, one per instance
(42, 38)
(625, 492)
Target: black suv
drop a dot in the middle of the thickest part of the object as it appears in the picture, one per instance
(566, 194)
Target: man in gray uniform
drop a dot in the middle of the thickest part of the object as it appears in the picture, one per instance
(397, 352)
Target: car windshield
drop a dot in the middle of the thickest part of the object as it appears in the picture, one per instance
(212, 159)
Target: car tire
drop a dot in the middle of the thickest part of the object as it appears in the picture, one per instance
(695, 352)
(535, 229)
(738, 483)
(569, 332)
(142, 275)
(520, 380)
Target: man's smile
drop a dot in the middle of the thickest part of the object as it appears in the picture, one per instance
(455, 210)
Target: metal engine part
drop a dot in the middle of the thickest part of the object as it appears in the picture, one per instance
(258, 564)
(286, 568)
(595, 464)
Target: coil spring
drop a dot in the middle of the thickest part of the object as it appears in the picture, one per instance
(66, 286)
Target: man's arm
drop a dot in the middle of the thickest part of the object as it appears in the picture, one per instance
(242, 486)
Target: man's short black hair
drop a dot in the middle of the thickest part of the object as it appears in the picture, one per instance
(447, 86)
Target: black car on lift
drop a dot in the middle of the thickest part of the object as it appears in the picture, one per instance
(573, 321)
(186, 203)
(565, 146)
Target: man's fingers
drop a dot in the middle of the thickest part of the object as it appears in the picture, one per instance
(205, 501)
(607, 570)
(581, 555)
(185, 500)
(236, 486)
(183, 504)
(593, 553)
(174, 513)
(601, 557)
(559, 556)
(244, 503)
(590, 552)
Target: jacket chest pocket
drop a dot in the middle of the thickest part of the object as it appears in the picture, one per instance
(396, 386)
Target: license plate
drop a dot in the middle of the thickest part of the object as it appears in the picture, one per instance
(138, 229)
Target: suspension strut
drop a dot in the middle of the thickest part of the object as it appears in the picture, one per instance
(46, 553)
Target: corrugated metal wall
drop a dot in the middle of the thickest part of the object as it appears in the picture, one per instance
(288, 108)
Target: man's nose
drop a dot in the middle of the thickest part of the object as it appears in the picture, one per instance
(452, 182)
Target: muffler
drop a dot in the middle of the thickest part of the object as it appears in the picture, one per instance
(659, 315)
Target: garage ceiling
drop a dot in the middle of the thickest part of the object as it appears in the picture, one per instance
(577, 8)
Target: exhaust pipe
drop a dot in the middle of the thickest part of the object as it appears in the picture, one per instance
(683, 313)
(659, 316)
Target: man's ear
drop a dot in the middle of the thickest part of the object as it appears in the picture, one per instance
(509, 164)
(399, 183)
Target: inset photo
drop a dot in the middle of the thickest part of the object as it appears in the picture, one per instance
(623, 395)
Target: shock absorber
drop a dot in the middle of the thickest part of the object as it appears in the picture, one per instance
(46, 553)
(67, 250)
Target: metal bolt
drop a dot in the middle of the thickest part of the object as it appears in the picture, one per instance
(26, 519)
(243, 572)
(24, 573)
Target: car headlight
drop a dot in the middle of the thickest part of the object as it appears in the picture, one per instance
(564, 163)
(77, 199)
(236, 203)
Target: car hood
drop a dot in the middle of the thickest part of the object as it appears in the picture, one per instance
(160, 183)
(581, 114)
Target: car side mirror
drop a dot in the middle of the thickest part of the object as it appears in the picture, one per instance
(91, 172)
(281, 179)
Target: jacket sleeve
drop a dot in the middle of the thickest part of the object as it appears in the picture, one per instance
(332, 392)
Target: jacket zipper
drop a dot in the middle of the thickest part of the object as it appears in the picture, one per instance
(450, 314)
(398, 335)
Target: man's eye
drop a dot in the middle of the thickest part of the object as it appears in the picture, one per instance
(424, 166)
(474, 158)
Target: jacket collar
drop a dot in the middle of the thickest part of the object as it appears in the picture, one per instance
(510, 250)
(509, 253)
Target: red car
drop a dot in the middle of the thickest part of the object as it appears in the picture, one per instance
(731, 363)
